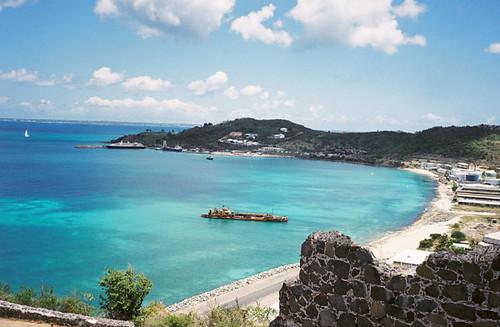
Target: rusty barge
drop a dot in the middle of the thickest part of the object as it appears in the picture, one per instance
(226, 213)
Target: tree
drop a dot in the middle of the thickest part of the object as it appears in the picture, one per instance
(124, 291)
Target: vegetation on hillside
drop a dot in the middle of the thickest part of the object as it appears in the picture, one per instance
(469, 142)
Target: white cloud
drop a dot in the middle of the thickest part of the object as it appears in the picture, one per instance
(251, 90)
(251, 27)
(147, 32)
(146, 83)
(357, 23)
(232, 93)
(409, 8)
(20, 75)
(156, 17)
(3, 99)
(11, 3)
(278, 24)
(264, 95)
(211, 84)
(316, 109)
(493, 48)
(148, 103)
(432, 117)
(24, 75)
(105, 76)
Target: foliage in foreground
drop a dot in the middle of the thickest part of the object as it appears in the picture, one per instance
(46, 298)
(218, 316)
(124, 292)
(443, 242)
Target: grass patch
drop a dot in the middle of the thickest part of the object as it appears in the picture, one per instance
(218, 316)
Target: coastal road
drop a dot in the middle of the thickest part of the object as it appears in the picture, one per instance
(263, 292)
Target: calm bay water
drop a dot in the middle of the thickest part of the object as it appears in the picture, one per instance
(67, 214)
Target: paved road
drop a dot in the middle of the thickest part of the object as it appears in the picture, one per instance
(264, 292)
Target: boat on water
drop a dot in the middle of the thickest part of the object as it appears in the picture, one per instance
(176, 148)
(125, 145)
(210, 158)
(226, 213)
(26, 134)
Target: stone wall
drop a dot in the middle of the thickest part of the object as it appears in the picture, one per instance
(341, 284)
(23, 312)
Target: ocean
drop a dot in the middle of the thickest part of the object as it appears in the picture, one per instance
(68, 214)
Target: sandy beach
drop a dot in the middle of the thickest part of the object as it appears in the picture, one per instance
(262, 289)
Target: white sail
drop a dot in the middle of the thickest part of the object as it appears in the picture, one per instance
(26, 133)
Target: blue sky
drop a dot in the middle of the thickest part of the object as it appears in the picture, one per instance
(351, 65)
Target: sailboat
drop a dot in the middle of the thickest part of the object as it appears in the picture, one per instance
(26, 133)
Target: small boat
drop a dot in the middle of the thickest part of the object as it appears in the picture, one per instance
(26, 134)
(125, 145)
(226, 213)
(210, 158)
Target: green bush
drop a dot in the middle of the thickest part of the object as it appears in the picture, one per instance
(180, 320)
(5, 292)
(76, 304)
(47, 299)
(426, 244)
(124, 292)
(458, 236)
(26, 296)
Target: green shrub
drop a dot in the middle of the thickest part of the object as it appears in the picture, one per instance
(180, 320)
(426, 244)
(124, 292)
(26, 296)
(76, 304)
(458, 236)
(47, 299)
(5, 293)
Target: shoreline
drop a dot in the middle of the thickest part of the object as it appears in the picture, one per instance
(436, 218)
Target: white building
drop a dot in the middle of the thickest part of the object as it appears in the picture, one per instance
(278, 136)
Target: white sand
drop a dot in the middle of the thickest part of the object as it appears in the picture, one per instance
(437, 218)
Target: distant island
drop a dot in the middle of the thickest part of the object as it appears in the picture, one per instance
(282, 137)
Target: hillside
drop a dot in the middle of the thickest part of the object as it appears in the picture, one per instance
(479, 143)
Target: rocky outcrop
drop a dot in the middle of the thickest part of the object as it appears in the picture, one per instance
(23, 312)
(341, 284)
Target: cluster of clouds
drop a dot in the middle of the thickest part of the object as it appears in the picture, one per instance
(105, 76)
(152, 18)
(149, 103)
(23, 75)
(11, 3)
(356, 23)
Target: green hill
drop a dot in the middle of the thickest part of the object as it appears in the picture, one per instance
(479, 143)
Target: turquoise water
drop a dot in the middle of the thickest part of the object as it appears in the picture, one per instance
(66, 214)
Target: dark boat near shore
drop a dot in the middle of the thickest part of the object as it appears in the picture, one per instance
(176, 148)
(226, 213)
